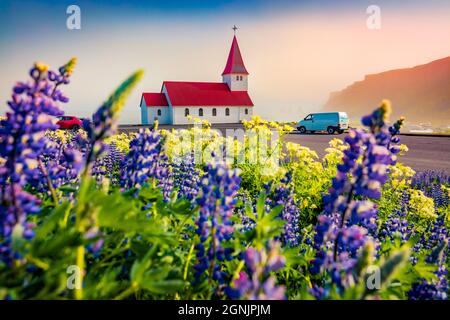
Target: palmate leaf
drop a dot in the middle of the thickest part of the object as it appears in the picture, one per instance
(393, 264)
(59, 244)
(140, 266)
(54, 219)
(144, 276)
(119, 213)
(425, 270)
(163, 286)
(392, 268)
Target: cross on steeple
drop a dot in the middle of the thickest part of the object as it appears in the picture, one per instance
(234, 29)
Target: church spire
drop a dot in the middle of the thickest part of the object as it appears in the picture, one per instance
(235, 63)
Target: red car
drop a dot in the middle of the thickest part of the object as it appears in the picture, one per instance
(69, 122)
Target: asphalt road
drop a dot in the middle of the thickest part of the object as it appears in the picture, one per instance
(425, 152)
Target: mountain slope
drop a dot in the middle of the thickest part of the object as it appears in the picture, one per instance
(421, 93)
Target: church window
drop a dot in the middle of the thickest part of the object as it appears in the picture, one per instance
(214, 112)
(246, 111)
(186, 112)
(159, 112)
(227, 111)
(200, 112)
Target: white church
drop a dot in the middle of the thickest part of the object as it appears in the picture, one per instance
(218, 102)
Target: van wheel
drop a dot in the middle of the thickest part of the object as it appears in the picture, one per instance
(301, 129)
(330, 130)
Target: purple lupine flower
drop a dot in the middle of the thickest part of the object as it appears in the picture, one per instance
(145, 161)
(435, 290)
(186, 177)
(434, 235)
(349, 217)
(107, 165)
(33, 105)
(257, 283)
(283, 194)
(246, 222)
(396, 226)
(430, 183)
(60, 164)
(216, 199)
(394, 131)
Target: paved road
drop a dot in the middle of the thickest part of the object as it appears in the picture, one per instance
(425, 152)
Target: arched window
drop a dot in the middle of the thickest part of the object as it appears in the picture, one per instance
(159, 112)
(186, 112)
(246, 111)
(227, 111)
(214, 112)
(200, 112)
(237, 78)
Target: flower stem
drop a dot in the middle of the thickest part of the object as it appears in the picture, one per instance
(188, 260)
(80, 265)
(49, 182)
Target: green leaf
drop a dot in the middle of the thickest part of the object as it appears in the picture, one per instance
(140, 266)
(119, 213)
(163, 286)
(393, 264)
(260, 204)
(53, 220)
(55, 246)
(425, 270)
(272, 215)
(249, 212)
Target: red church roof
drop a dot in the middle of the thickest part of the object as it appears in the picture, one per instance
(235, 63)
(205, 94)
(155, 99)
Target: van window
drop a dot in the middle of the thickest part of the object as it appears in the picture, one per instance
(308, 117)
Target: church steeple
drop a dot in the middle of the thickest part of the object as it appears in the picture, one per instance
(235, 74)
(235, 63)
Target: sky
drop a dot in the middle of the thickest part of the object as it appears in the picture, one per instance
(296, 52)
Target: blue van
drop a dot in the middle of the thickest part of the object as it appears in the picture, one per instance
(330, 122)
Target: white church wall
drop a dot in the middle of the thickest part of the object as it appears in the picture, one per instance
(234, 84)
(221, 117)
(245, 115)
